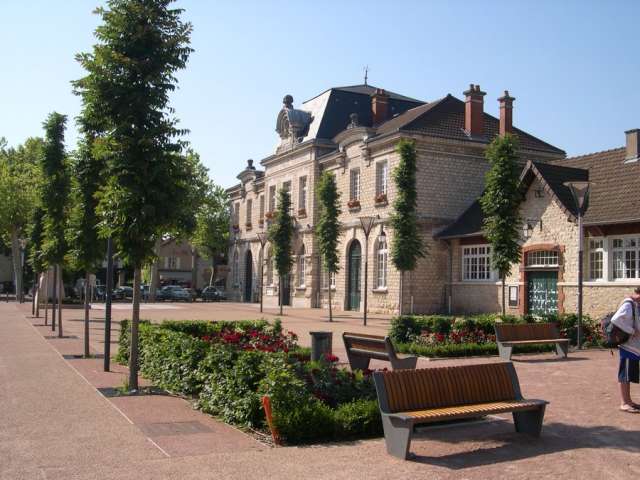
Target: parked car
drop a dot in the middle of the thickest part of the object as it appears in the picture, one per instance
(174, 293)
(122, 293)
(212, 294)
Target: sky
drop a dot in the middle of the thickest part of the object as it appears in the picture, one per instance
(572, 65)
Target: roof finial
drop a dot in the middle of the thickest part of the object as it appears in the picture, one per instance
(366, 74)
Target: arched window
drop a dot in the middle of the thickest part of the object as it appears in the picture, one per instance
(236, 268)
(301, 267)
(382, 255)
(269, 267)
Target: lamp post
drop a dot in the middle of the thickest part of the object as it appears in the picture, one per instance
(107, 306)
(367, 224)
(20, 294)
(262, 238)
(580, 192)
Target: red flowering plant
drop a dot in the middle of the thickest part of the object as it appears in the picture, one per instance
(264, 340)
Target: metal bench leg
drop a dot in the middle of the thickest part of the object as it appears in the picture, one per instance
(529, 421)
(562, 349)
(505, 352)
(408, 363)
(397, 436)
(357, 362)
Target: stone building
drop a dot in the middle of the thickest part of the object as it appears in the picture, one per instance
(546, 280)
(353, 131)
(179, 263)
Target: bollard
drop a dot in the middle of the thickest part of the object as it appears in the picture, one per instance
(321, 344)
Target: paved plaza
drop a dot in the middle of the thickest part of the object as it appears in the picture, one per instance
(59, 419)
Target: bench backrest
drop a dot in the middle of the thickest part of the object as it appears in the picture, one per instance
(376, 344)
(513, 332)
(423, 389)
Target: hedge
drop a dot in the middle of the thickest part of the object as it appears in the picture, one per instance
(311, 401)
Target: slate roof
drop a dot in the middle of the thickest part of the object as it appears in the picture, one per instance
(615, 194)
(552, 178)
(445, 118)
(331, 109)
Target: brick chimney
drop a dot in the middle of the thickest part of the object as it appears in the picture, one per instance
(380, 106)
(474, 110)
(633, 144)
(506, 113)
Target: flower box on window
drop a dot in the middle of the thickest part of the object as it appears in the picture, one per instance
(261, 222)
(248, 225)
(236, 227)
(302, 212)
(353, 204)
(381, 199)
(269, 215)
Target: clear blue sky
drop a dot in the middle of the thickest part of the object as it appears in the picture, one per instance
(572, 65)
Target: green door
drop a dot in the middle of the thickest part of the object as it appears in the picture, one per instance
(353, 297)
(542, 292)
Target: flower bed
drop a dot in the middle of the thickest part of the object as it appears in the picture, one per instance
(227, 367)
(448, 336)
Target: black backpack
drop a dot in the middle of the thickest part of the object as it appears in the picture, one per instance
(615, 336)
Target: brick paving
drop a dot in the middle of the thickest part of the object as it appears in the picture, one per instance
(54, 423)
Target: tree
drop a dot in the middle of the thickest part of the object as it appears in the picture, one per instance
(142, 44)
(406, 245)
(211, 236)
(500, 205)
(86, 250)
(328, 227)
(19, 177)
(55, 192)
(281, 236)
(36, 259)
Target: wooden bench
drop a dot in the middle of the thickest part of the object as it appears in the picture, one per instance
(412, 397)
(361, 348)
(510, 334)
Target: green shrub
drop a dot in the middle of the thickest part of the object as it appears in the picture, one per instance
(305, 423)
(201, 328)
(360, 418)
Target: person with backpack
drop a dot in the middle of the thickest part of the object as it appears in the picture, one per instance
(626, 319)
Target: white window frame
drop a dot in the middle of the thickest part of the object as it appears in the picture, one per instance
(625, 250)
(544, 257)
(354, 184)
(328, 279)
(482, 252)
(301, 268)
(270, 268)
(249, 213)
(382, 177)
(302, 193)
(600, 251)
(272, 198)
(261, 207)
(236, 269)
(382, 265)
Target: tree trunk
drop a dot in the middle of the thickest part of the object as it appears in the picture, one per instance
(135, 320)
(504, 307)
(17, 263)
(155, 276)
(330, 308)
(54, 297)
(86, 315)
(33, 295)
(37, 293)
(194, 268)
(60, 295)
(213, 270)
(280, 282)
(46, 297)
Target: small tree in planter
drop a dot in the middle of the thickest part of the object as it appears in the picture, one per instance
(500, 205)
(281, 236)
(328, 226)
(406, 245)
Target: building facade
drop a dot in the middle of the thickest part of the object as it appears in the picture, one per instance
(353, 132)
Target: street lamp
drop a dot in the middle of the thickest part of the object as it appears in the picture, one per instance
(580, 192)
(262, 238)
(367, 224)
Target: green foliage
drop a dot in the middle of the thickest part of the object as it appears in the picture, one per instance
(211, 235)
(360, 418)
(86, 250)
(55, 189)
(500, 203)
(281, 234)
(328, 226)
(406, 245)
(36, 233)
(142, 44)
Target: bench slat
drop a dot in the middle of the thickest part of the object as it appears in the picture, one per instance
(522, 342)
(438, 414)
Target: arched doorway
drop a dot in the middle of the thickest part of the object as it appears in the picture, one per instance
(354, 260)
(248, 277)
